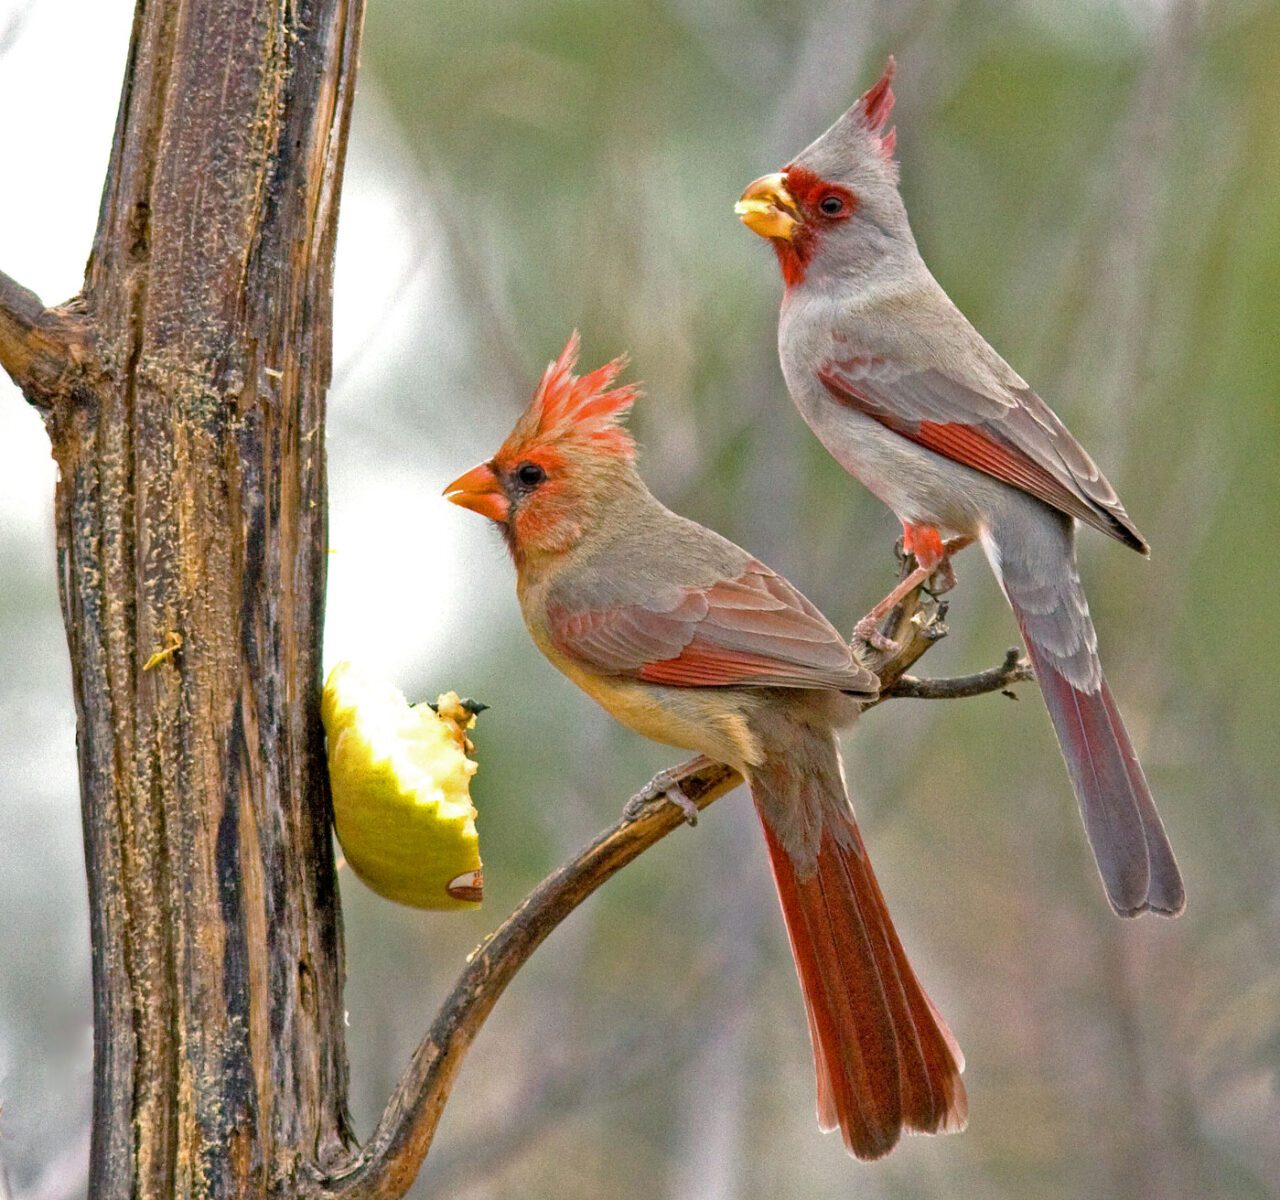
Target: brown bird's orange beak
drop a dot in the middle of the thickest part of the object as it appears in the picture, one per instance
(481, 491)
(767, 208)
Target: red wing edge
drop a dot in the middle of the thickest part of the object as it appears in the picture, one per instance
(977, 447)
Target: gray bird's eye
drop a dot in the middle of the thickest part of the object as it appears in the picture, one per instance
(530, 474)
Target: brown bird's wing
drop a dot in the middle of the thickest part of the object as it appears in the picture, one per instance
(755, 630)
(1014, 436)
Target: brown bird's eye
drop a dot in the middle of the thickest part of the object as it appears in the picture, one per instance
(530, 474)
(831, 205)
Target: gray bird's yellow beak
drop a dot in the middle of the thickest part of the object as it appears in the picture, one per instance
(766, 208)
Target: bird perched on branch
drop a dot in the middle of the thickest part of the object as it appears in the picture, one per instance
(909, 398)
(687, 639)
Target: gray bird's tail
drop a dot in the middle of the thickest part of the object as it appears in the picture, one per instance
(1037, 570)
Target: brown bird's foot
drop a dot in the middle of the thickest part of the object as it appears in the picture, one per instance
(867, 630)
(665, 785)
(943, 578)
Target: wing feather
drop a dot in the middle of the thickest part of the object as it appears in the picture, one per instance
(1014, 436)
(753, 631)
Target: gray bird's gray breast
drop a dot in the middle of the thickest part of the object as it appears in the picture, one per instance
(921, 487)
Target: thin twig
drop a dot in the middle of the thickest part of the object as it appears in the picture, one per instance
(387, 1164)
(1014, 669)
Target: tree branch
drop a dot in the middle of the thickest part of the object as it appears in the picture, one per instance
(389, 1161)
(391, 1158)
(1014, 669)
(592, 1075)
(39, 346)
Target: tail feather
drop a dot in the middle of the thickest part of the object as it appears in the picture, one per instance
(885, 1059)
(1032, 551)
(1129, 842)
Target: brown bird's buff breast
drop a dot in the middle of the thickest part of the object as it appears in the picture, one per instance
(711, 721)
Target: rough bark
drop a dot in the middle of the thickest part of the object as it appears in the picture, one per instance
(183, 391)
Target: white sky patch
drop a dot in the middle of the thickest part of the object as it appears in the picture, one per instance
(388, 601)
(62, 73)
(394, 542)
(393, 574)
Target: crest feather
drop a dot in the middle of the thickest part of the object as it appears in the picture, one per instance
(874, 106)
(586, 409)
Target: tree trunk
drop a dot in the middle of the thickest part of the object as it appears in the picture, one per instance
(183, 391)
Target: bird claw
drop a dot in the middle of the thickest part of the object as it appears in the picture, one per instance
(941, 581)
(867, 630)
(665, 785)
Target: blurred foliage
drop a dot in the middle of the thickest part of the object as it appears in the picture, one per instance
(1098, 186)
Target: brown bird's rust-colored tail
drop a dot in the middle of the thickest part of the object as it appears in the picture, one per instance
(885, 1059)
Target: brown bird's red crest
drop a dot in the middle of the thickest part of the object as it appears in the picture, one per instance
(586, 410)
(875, 105)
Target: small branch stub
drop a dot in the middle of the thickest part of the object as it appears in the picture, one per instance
(39, 347)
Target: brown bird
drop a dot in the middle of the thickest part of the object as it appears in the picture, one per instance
(687, 639)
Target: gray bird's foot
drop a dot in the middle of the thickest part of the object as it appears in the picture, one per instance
(868, 630)
(942, 580)
(664, 785)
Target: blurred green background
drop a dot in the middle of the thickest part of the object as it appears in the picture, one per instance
(1098, 187)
